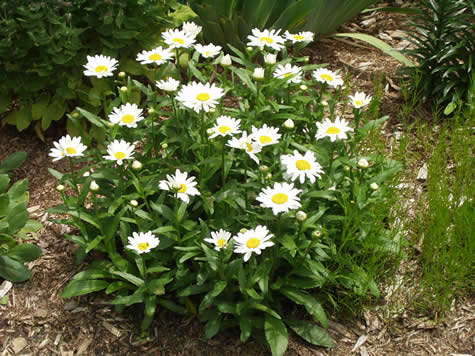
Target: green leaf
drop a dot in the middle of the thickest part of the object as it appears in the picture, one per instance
(371, 125)
(18, 192)
(94, 119)
(92, 273)
(39, 106)
(308, 301)
(55, 173)
(4, 181)
(54, 112)
(136, 297)
(310, 332)
(129, 277)
(83, 286)
(276, 335)
(24, 118)
(17, 218)
(383, 46)
(245, 324)
(213, 325)
(13, 271)
(24, 252)
(13, 161)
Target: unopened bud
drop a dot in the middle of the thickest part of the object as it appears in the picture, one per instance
(263, 168)
(226, 60)
(289, 124)
(110, 124)
(212, 110)
(249, 49)
(134, 202)
(121, 74)
(374, 186)
(151, 111)
(352, 201)
(75, 114)
(176, 186)
(346, 168)
(164, 146)
(306, 59)
(86, 174)
(258, 73)
(243, 230)
(94, 186)
(303, 87)
(123, 89)
(324, 103)
(60, 188)
(362, 163)
(317, 234)
(269, 176)
(301, 215)
(209, 132)
(270, 58)
(137, 165)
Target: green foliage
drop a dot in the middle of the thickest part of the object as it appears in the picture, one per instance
(338, 243)
(443, 32)
(14, 222)
(230, 22)
(43, 45)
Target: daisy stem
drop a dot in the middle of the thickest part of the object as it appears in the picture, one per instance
(222, 159)
(177, 63)
(245, 179)
(177, 224)
(73, 175)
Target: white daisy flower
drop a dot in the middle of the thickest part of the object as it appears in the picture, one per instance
(180, 183)
(177, 39)
(323, 75)
(266, 135)
(359, 100)
(225, 125)
(119, 150)
(266, 38)
(100, 66)
(247, 144)
(219, 239)
(191, 29)
(253, 241)
(334, 130)
(280, 198)
(157, 55)
(169, 84)
(127, 115)
(305, 36)
(294, 73)
(208, 51)
(67, 146)
(302, 166)
(198, 96)
(142, 242)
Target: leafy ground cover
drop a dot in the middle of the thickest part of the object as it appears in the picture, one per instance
(35, 313)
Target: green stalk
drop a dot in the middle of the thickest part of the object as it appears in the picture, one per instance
(222, 159)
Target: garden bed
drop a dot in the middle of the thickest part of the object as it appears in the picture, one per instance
(37, 320)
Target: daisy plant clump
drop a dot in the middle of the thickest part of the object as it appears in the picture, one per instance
(232, 190)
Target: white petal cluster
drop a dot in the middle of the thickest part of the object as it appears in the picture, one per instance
(359, 100)
(142, 242)
(323, 75)
(67, 146)
(209, 50)
(170, 84)
(302, 167)
(266, 38)
(334, 130)
(100, 66)
(253, 241)
(119, 151)
(282, 197)
(305, 36)
(225, 126)
(157, 55)
(247, 144)
(181, 184)
(126, 115)
(219, 239)
(293, 73)
(198, 96)
(175, 38)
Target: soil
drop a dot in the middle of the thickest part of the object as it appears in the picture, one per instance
(37, 321)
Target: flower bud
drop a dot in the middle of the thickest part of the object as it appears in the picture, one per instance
(306, 59)
(362, 163)
(324, 103)
(137, 165)
(211, 110)
(75, 114)
(151, 111)
(94, 186)
(86, 174)
(176, 186)
(249, 49)
(226, 60)
(270, 58)
(269, 176)
(263, 168)
(123, 89)
(289, 124)
(164, 146)
(209, 131)
(303, 87)
(374, 186)
(60, 188)
(121, 74)
(317, 234)
(134, 203)
(258, 73)
(110, 124)
(301, 215)
(346, 168)
(243, 230)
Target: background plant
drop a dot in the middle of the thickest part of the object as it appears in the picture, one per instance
(14, 222)
(443, 33)
(44, 45)
(336, 247)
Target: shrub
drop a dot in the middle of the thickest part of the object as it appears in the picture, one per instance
(234, 199)
(443, 33)
(14, 222)
(43, 45)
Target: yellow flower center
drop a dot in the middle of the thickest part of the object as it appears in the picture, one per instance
(179, 40)
(128, 119)
(224, 129)
(70, 150)
(253, 242)
(280, 198)
(182, 189)
(333, 130)
(222, 243)
(265, 139)
(287, 75)
(119, 155)
(358, 102)
(203, 97)
(249, 147)
(302, 165)
(266, 39)
(101, 69)
(155, 57)
(327, 77)
(207, 53)
(143, 246)
(298, 37)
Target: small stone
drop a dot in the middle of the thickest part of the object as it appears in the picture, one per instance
(5, 287)
(18, 344)
(32, 209)
(422, 174)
